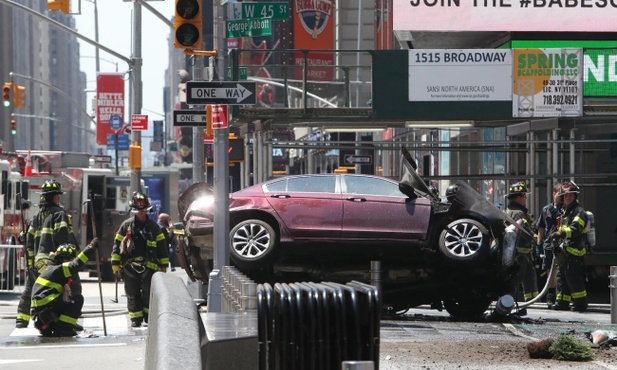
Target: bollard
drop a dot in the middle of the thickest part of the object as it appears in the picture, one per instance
(613, 288)
(358, 365)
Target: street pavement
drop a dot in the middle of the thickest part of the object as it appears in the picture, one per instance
(117, 345)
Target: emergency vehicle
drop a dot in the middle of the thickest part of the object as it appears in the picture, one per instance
(12, 261)
(108, 192)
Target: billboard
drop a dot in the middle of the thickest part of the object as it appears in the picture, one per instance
(313, 22)
(505, 15)
(547, 83)
(109, 102)
(460, 75)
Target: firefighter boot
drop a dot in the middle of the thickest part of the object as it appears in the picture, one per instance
(561, 306)
(64, 330)
(20, 324)
(135, 323)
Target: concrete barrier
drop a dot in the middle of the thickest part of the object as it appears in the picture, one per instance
(175, 328)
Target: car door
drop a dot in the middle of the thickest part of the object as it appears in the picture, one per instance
(311, 207)
(375, 209)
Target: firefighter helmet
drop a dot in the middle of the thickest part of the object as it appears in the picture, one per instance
(51, 187)
(518, 188)
(140, 202)
(569, 187)
(65, 252)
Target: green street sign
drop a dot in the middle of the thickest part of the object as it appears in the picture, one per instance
(243, 72)
(278, 11)
(248, 28)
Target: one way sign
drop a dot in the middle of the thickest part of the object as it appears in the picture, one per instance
(358, 159)
(221, 92)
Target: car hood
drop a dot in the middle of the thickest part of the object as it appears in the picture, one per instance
(198, 197)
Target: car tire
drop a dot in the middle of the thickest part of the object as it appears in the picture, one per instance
(466, 307)
(464, 241)
(253, 244)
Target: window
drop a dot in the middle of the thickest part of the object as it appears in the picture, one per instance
(371, 186)
(309, 184)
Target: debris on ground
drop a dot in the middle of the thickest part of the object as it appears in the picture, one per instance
(569, 348)
(87, 333)
(601, 338)
(540, 349)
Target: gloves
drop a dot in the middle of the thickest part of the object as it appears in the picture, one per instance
(556, 235)
(115, 269)
(95, 243)
(163, 269)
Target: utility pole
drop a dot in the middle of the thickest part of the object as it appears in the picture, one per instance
(136, 87)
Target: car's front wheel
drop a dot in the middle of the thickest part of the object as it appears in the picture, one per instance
(464, 241)
(253, 244)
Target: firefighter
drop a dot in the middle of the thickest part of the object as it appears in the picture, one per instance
(56, 230)
(164, 221)
(31, 241)
(570, 253)
(54, 310)
(140, 250)
(525, 245)
(546, 224)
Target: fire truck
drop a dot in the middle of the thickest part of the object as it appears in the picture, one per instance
(12, 261)
(81, 183)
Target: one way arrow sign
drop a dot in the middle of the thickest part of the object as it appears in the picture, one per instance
(221, 92)
(358, 159)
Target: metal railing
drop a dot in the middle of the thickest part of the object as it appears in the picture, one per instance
(238, 291)
(12, 268)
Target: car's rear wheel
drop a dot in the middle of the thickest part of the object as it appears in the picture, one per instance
(253, 244)
(464, 241)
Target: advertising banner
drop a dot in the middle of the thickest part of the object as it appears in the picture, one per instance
(460, 75)
(505, 15)
(600, 74)
(547, 83)
(313, 22)
(109, 102)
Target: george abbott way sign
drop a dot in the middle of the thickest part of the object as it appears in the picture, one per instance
(219, 92)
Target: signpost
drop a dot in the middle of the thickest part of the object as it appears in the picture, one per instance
(358, 159)
(277, 11)
(221, 92)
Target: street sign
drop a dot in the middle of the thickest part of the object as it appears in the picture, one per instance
(221, 92)
(123, 142)
(278, 11)
(358, 159)
(189, 118)
(139, 122)
(248, 28)
(115, 122)
(219, 116)
(242, 71)
(102, 159)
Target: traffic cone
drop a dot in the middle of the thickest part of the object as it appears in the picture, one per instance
(28, 169)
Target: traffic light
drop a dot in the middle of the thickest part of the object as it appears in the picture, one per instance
(13, 127)
(19, 96)
(187, 25)
(7, 94)
(135, 156)
(62, 5)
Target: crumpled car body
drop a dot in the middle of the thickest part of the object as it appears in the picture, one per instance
(445, 252)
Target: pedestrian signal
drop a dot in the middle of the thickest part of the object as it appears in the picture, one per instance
(62, 5)
(7, 94)
(19, 96)
(187, 24)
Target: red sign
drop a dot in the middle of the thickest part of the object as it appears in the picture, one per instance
(139, 122)
(219, 116)
(314, 30)
(109, 102)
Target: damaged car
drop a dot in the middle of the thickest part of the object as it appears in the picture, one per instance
(448, 253)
